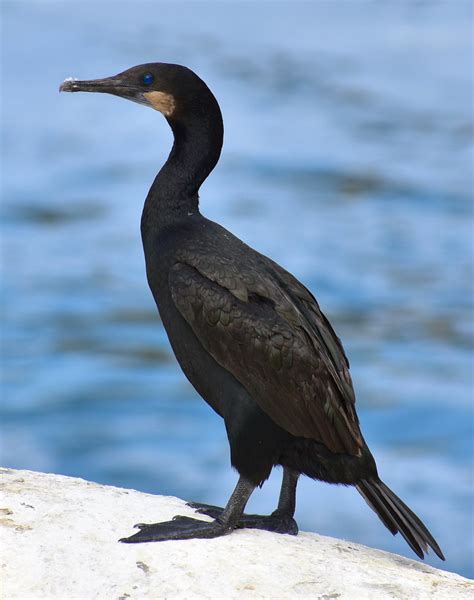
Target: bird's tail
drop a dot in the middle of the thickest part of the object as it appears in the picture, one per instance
(397, 517)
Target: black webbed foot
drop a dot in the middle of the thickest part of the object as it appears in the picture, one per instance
(206, 509)
(225, 520)
(180, 528)
(277, 522)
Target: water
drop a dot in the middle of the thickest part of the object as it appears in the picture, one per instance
(347, 158)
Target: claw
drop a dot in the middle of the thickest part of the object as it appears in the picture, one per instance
(206, 509)
(202, 505)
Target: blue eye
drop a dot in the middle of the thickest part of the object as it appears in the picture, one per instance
(148, 79)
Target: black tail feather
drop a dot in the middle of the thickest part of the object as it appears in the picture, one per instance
(397, 517)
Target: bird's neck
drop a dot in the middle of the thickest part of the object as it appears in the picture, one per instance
(174, 195)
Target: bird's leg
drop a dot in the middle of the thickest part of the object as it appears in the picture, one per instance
(280, 521)
(287, 499)
(184, 528)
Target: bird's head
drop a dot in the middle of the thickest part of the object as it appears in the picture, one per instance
(168, 88)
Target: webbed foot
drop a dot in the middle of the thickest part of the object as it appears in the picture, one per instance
(277, 522)
(206, 509)
(180, 528)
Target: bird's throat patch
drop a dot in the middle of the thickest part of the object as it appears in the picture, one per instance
(162, 102)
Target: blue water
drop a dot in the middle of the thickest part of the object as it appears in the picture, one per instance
(349, 136)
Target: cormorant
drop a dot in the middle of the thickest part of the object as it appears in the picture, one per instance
(248, 335)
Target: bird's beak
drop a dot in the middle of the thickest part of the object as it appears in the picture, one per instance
(118, 86)
(109, 85)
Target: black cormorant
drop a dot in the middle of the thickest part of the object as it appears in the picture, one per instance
(248, 335)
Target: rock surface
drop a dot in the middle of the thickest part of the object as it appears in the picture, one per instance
(59, 540)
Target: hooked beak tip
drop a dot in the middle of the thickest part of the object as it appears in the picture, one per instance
(68, 85)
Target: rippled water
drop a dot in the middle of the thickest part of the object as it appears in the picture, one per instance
(347, 159)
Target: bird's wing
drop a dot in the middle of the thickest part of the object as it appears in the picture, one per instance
(281, 349)
(320, 327)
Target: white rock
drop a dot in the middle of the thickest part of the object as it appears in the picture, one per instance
(59, 540)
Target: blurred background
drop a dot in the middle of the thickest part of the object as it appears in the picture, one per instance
(349, 137)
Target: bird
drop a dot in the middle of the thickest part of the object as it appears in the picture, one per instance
(248, 335)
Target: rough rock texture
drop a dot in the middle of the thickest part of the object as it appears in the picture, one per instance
(59, 540)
